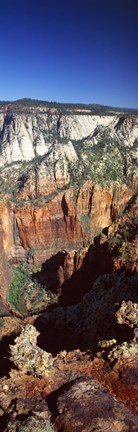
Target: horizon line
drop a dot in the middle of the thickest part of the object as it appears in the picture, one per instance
(67, 103)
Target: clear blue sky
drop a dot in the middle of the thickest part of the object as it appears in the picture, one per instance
(70, 51)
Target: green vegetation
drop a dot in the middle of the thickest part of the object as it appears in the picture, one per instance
(85, 222)
(104, 160)
(27, 296)
(95, 109)
(102, 157)
(20, 280)
(131, 203)
(120, 243)
(4, 311)
(1, 322)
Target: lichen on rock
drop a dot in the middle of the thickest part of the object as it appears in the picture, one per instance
(28, 357)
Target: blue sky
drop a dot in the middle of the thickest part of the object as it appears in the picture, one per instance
(70, 51)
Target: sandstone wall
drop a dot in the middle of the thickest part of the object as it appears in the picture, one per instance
(68, 221)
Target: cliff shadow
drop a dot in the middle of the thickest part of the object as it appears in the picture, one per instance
(58, 326)
(70, 289)
(48, 275)
(103, 257)
(83, 326)
(97, 261)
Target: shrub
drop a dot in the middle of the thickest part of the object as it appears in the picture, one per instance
(27, 296)
(20, 279)
(1, 322)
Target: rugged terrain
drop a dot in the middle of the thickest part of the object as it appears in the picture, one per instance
(65, 175)
(68, 267)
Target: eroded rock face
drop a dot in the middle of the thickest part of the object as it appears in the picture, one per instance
(28, 135)
(65, 177)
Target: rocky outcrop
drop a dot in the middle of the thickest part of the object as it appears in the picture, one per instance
(70, 396)
(96, 411)
(73, 273)
(27, 357)
(25, 135)
(29, 135)
(102, 314)
(83, 404)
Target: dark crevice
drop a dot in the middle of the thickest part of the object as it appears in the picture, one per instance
(22, 180)
(97, 261)
(36, 181)
(61, 429)
(113, 363)
(90, 200)
(59, 123)
(22, 417)
(120, 122)
(130, 203)
(48, 276)
(3, 422)
(64, 207)
(5, 363)
(54, 170)
(55, 338)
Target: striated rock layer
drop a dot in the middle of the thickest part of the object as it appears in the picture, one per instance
(65, 222)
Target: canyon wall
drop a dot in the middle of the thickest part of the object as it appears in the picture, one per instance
(5, 270)
(63, 178)
(68, 222)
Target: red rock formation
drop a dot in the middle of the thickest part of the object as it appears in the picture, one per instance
(67, 221)
(6, 224)
(5, 270)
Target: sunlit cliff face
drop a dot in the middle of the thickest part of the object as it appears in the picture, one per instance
(63, 178)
